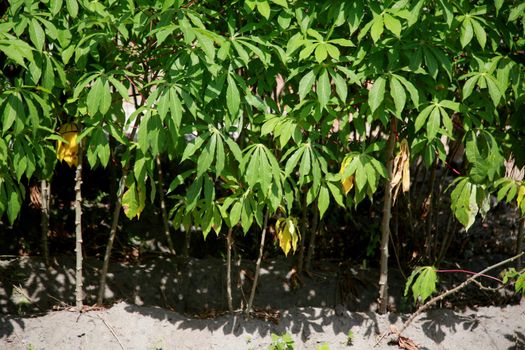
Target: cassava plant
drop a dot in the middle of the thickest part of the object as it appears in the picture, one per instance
(303, 105)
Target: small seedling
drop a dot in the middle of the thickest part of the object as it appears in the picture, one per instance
(281, 342)
(349, 337)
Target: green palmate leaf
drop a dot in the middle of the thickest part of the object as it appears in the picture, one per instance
(36, 34)
(447, 11)
(398, 94)
(463, 202)
(247, 215)
(292, 161)
(235, 214)
(414, 94)
(234, 148)
(422, 117)
(72, 7)
(175, 107)
(48, 78)
(13, 108)
(233, 99)
(221, 156)
(494, 89)
(55, 6)
(264, 8)
(14, 204)
(392, 24)
(467, 32)
(516, 12)
(434, 123)
(469, 86)
(341, 86)
(323, 89)
(333, 51)
(480, 33)
(105, 102)
(305, 165)
(519, 286)
(321, 53)
(11, 52)
(424, 284)
(95, 96)
(98, 148)
(377, 28)
(323, 201)
(207, 156)
(306, 83)
(206, 43)
(431, 62)
(376, 94)
(122, 90)
(163, 104)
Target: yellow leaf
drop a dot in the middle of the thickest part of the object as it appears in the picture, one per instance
(288, 234)
(68, 151)
(521, 193)
(401, 170)
(348, 182)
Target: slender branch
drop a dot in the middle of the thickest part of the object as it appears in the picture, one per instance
(257, 266)
(45, 191)
(229, 242)
(112, 332)
(443, 295)
(116, 212)
(385, 222)
(471, 273)
(163, 206)
(78, 231)
(454, 290)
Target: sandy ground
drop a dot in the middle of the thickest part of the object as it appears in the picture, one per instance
(126, 326)
(338, 298)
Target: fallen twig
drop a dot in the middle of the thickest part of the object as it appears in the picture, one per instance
(444, 295)
(112, 332)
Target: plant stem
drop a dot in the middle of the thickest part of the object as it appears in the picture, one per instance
(471, 273)
(313, 233)
(430, 201)
(385, 223)
(163, 206)
(519, 241)
(118, 206)
(229, 242)
(302, 229)
(257, 266)
(78, 231)
(45, 189)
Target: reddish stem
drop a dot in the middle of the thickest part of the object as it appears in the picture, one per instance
(472, 273)
(452, 169)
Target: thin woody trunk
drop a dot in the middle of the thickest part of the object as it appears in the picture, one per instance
(519, 242)
(78, 232)
(229, 242)
(430, 200)
(112, 234)
(313, 233)
(385, 224)
(302, 229)
(45, 189)
(163, 207)
(257, 266)
(116, 212)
